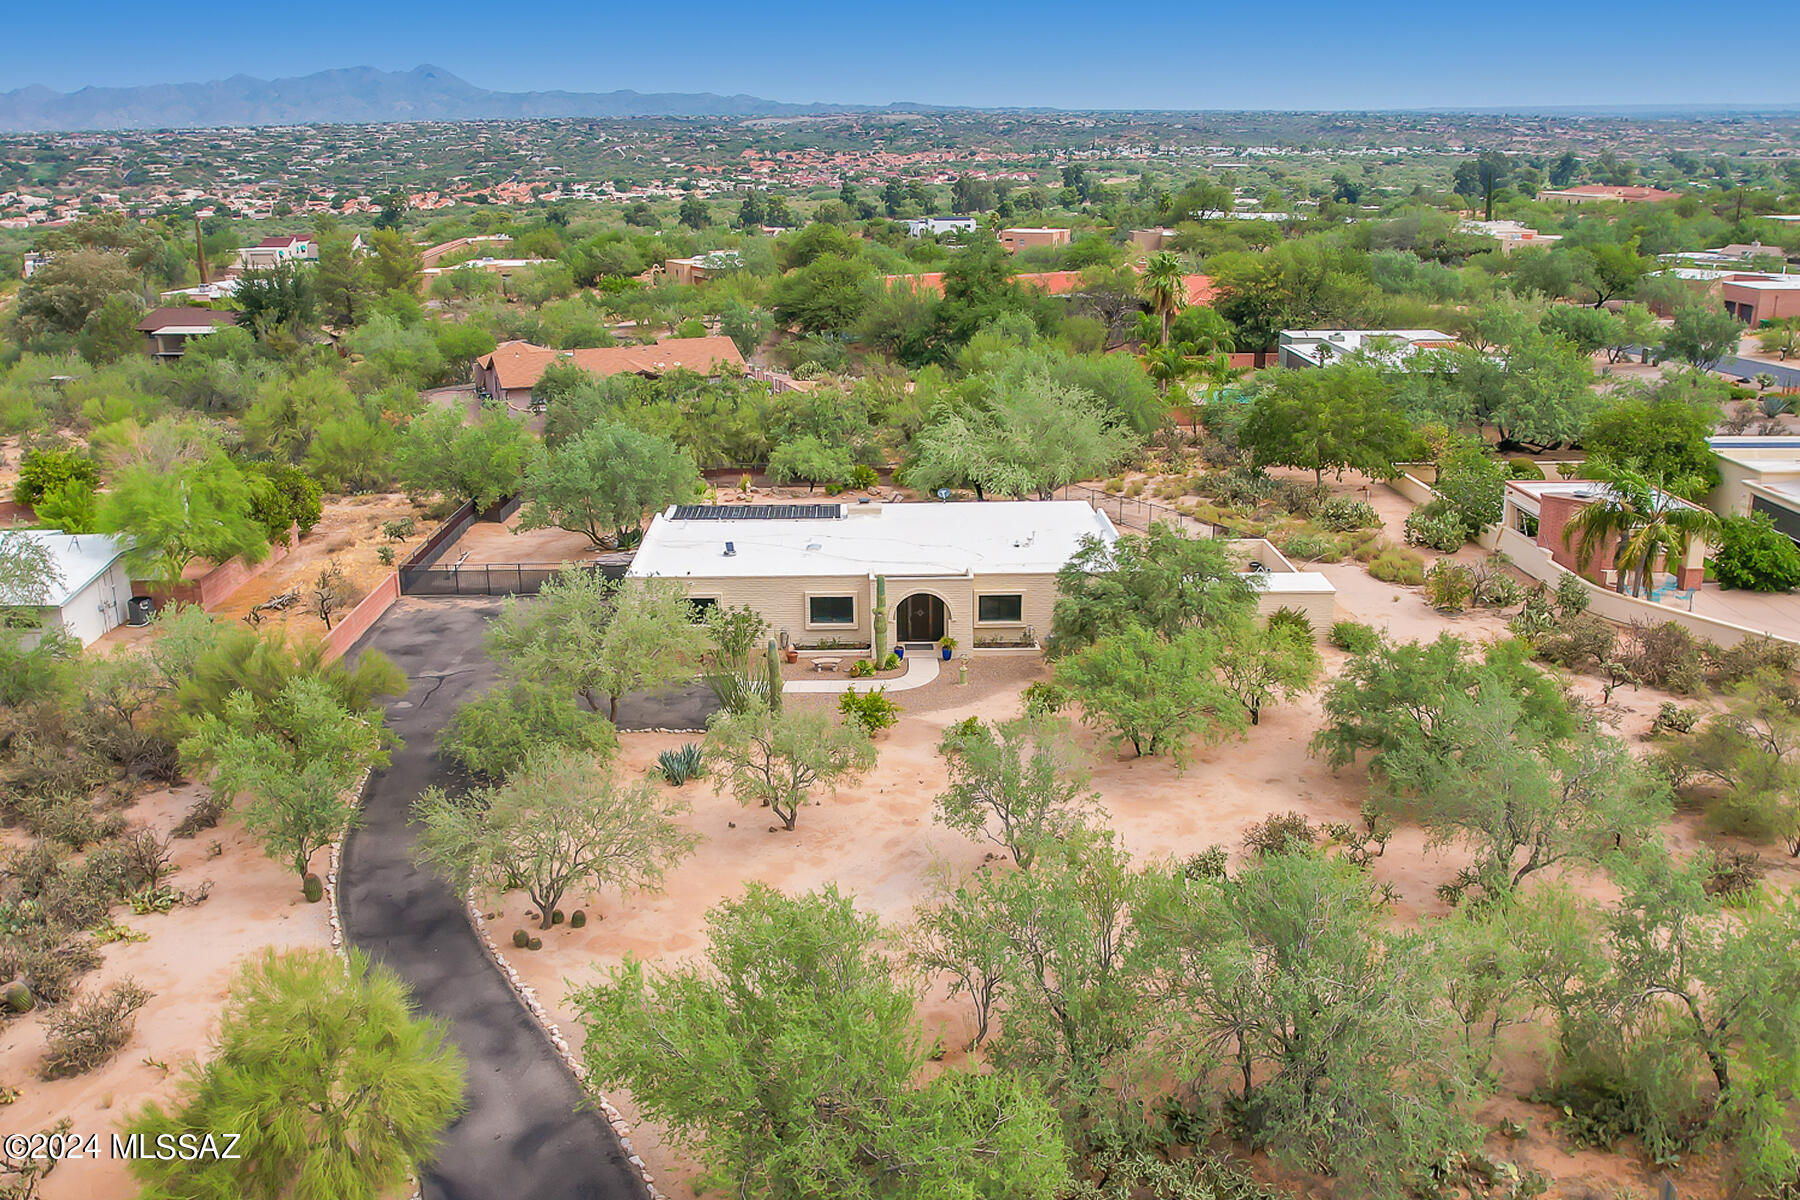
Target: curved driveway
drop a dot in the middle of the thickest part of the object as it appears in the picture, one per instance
(525, 1135)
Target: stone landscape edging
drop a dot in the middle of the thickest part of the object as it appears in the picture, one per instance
(553, 1033)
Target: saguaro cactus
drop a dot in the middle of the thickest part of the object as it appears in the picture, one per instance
(774, 676)
(881, 620)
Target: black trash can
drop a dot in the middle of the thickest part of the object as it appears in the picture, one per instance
(139, 609)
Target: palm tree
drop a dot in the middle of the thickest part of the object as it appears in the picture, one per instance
(1164, 288)
(1647, 524)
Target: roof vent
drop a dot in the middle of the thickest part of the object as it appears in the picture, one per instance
(730, 549)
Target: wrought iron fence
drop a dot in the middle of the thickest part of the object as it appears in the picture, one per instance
(494, 579)
(1133, 512)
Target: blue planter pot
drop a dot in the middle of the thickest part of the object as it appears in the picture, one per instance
(900, 652)
(946, 654)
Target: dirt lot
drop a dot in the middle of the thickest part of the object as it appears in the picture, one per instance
(876, 838)
(188, 960)
(349, 534)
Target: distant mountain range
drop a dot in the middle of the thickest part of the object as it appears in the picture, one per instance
(351, 96)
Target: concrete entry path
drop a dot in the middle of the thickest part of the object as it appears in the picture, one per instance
(525, 1135)
(921, 669)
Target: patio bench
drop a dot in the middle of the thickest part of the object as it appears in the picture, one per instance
(827, 664)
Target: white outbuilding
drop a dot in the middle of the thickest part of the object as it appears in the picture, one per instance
(91, 587)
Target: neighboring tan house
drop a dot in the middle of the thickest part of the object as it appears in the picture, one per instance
(1757, 299)
(513, 369)
(431, 256)
(1323, 347)
(982, 573)
(1512, 235)
(273, 251)
(700, 268)
(1541, 509)
(1022, 238)
(1758, 474)
(1152, 240)
(1606, 193)
(91, 589)
(168, 330)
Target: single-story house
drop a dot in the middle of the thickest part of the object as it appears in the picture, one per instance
(1756, 299)
(1540, 511)
(89, 595)
(273, 251)
(1511, 235)
(1322, 347)
(1758, 475)
(938, 226)
(167, 330)
(513, 369)
(1023, 237)
(981, 573)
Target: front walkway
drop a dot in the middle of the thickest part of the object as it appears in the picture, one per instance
(921, 669)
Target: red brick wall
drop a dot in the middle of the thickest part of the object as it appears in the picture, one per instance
(215, 586)
(1554, 514)
(357, 621)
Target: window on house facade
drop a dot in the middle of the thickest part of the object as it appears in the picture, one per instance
(1004, 608)
(831, 610)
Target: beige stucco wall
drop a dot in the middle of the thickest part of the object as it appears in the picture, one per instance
(783, 603)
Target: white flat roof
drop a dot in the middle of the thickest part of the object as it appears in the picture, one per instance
(80, 559)
(900, 538)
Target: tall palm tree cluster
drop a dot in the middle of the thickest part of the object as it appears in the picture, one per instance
(1644, 522)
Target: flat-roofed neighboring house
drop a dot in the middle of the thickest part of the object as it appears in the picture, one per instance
(91, 588)
(1756, 299)
(514, 368)
(273, 251)
(35, 261)
(1540, 510)
(939, 226)
(1323, 347)
(1152, 240)
(1024, 237)
(701, 267)
(1758, 474)
(1512, 235)
(168, 330)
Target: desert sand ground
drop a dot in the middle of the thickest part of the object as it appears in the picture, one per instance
(876, 839)
(188, 962)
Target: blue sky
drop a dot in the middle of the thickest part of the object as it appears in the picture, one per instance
(1295, 55)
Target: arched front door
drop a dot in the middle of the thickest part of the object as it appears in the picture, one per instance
(921, 617)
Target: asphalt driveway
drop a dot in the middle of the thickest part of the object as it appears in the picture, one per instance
(524, 1136)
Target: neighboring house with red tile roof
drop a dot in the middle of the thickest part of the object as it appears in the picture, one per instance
(167, 330)
(514, 368)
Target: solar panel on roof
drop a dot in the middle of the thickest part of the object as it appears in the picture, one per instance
(758, 512)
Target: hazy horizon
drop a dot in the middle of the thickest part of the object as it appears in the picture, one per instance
(1307, 56)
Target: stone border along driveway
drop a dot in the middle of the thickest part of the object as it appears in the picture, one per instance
(531, 1129)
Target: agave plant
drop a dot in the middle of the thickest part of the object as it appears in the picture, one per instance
(679, 766)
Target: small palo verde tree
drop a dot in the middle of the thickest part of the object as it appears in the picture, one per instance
(559, 821)
(776, 758)
(336, 1090)
(295, 758)
(1016, 783)
(790, 1062)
